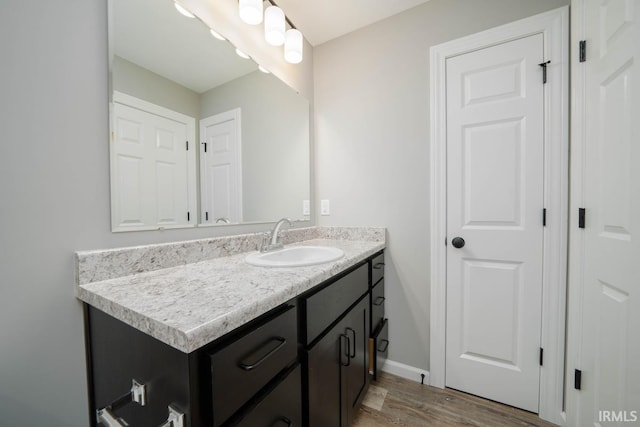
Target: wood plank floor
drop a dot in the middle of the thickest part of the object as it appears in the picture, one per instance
(400, 402)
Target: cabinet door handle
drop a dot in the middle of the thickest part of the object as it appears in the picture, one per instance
(384, 344)
(379, 301)
(378, 265)
(347, 352)
(282, 420)
(249, 366)
(352, 354)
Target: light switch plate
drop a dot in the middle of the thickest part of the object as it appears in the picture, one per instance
(324, 207)
(306, 207)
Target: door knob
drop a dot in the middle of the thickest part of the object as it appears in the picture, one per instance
(457, 242)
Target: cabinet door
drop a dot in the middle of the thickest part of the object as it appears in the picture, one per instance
(324, 362)
(338, 370)
(355, 375)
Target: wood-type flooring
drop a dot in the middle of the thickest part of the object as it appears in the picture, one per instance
(394, 401)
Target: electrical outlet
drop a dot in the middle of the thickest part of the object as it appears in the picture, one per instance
(324, 207)
(306, 207)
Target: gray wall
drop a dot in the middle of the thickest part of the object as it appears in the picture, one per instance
(130, 78)
(372, 142)
(275, 148)
(54, 184)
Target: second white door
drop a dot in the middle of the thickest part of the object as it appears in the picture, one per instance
(221, 168)
(495, 170)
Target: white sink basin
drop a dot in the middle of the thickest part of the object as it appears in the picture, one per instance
(295, 256)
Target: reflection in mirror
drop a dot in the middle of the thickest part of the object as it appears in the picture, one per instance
(247, 156)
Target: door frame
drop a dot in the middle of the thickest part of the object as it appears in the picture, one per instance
(215, 119)
(554, 25)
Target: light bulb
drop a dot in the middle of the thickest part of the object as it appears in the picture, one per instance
(241, 54)
(250, 11)
(264, 70)
(183, 11)
(274, 26)
(217, 35)
(293, 46)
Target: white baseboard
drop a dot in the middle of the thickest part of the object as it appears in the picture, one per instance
(406, 371)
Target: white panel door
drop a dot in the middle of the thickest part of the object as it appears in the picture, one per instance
(221, 187)
(150, 170)
(610, 350)
(494, 202)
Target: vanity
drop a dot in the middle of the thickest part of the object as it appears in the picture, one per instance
(190, 334)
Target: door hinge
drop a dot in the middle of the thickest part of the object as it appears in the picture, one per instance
(544, 71)
(581, 217)
(187, 145)
(206, 216)
(541, 355)
(188, 216)
(544, 217)
(583, 50)
(577, 379)
(205, 146)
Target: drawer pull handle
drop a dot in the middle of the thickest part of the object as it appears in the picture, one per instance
(281, 420)
(384, 344)
(347, 352)
(247, 366)
(352, 354)
(378, 265)
(379, 301)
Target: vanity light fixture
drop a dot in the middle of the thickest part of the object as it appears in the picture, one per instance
(250, 11)
(241, 54)
(293, 46)
(274, 26)
(216, 34)
(182, 10)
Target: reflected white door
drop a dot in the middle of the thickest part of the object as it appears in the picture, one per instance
(610, 341)
(221, 184)
(149, 171)
(494, 202)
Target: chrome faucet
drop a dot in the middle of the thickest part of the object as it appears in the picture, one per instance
(271, 239)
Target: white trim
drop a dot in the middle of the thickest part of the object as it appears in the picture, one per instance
(554, 25)
(190, 123)
(576, 236)
(236, 115)
(405, 371)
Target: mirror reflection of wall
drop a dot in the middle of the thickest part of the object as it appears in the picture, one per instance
(254, 128)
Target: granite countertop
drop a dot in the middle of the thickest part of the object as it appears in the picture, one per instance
(191, 304)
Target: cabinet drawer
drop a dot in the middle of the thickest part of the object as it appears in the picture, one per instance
(377, 269)
(242, 368)
(377, 305)
(280, 408)
(378, 349)
(324, 307)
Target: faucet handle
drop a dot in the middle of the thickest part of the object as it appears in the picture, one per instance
(266, 238)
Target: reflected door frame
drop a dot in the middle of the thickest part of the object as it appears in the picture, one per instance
(554, 26)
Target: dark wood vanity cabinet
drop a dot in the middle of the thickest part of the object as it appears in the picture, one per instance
(238, 378)
(336, 351)
(118, 354)
(307, 362)
(379, 340)
(337, 369)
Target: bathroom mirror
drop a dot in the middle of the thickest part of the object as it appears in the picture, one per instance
(199, 135)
